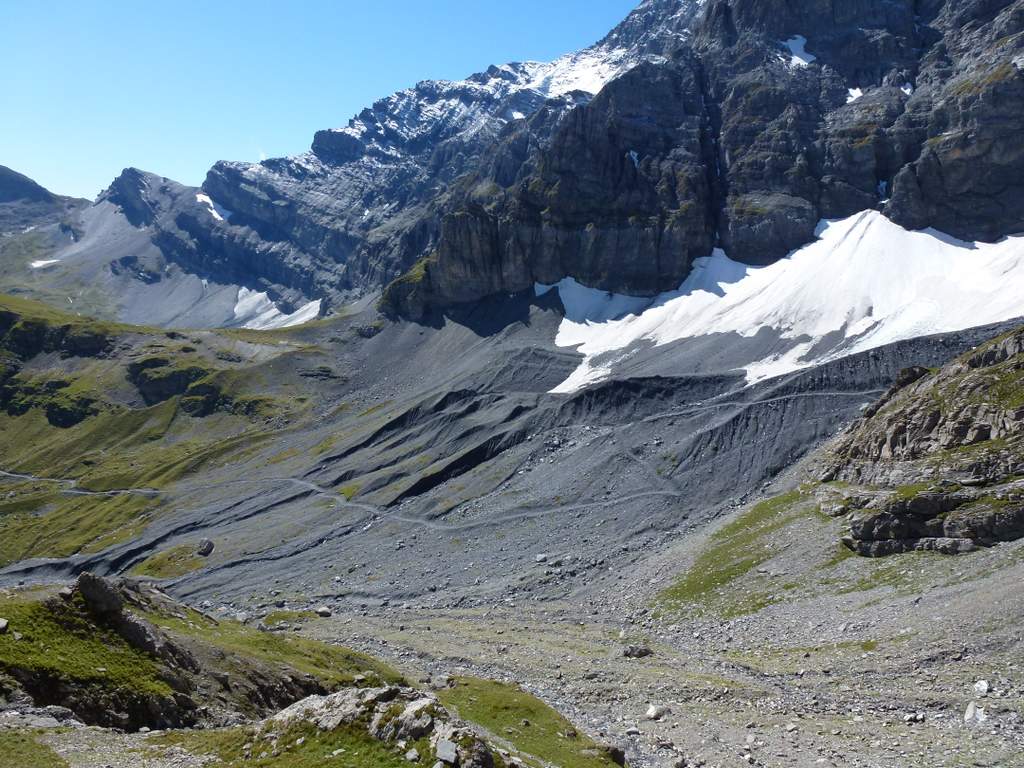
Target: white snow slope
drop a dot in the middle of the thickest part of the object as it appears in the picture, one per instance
(866, 280)
(254, 309)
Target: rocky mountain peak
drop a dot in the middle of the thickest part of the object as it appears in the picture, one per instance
(15, 186)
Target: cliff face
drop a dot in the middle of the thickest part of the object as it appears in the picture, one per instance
(765, 119)
(737, 124)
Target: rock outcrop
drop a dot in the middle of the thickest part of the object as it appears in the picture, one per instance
(942, 452)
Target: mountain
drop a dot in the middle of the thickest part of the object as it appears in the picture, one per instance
(675, 381)
(691, 126)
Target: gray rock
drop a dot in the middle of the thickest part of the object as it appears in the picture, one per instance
(447, 752)
(100, 594)
(205, 548)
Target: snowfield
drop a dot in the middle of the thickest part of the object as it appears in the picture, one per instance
(255, 310)
(864, 283)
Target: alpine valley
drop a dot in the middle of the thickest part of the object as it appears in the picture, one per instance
(659, 405)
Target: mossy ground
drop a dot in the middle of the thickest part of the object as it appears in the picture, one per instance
(333, 665)
(346, 747)
(732, 551)
(62, 641)
(502, 710)
(21, 749)
(170, 563)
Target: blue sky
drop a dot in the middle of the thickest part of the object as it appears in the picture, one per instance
(89, 88)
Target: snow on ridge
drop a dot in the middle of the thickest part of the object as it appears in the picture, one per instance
(43, 263)
(217, 211)
(854, 94)
(255, 310)
(588, 70)
(864, 283)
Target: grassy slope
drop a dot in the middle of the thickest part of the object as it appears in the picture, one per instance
(64, 643)
(122, 446)
(502, 709)
(355, 748)
(333, 665)
(20, 749)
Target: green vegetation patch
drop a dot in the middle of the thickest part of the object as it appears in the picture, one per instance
(170, 563)
(62, 641)
(301, 746)
(731, 552)
(333, 665)
(51, 525)
(20, 749)
(502, 709)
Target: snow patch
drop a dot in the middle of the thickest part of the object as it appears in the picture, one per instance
(42, 263)
(854, 94)
(864, 283)
(799, 57)
(635, 158)
(907, 88)
(218, 212)
(254, 309)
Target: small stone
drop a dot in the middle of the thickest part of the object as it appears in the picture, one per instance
(790, 727)
(636, 651)
(413, 756)
(981, 688)
(656, 712)
(3, 626)
(205, 548)
(323, 611)
(974, 714)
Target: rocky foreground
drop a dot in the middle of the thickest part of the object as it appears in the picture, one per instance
(185, 689)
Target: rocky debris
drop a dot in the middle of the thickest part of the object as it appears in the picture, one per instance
(205, 548)
(395, 715)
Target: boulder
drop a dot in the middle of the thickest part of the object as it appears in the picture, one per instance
(100, 594)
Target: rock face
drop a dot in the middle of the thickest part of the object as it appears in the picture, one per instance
(946, 448)
(693, 125)
(762, 121)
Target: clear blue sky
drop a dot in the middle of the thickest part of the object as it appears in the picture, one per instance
(90, 87)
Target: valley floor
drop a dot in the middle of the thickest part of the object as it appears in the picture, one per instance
(880, 674)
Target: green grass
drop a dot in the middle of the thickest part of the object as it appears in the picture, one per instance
(62, 526)
(359, 749)
(333, 665)
(731, 552)
(20, 749)
(61, 640)
(349, 491)
(170, 563)
(502, 708)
